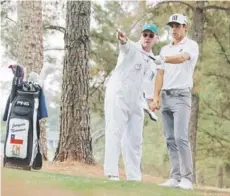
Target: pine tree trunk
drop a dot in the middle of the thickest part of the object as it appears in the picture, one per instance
(220, 176)
(198, 24)
(198, 33)
(75, 142)
(200, 178)
(30, 35)
(43, 142)
(30, 46)
(193, 130)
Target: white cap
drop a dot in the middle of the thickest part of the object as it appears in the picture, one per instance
(177, 18)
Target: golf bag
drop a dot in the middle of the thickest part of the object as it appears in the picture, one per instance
(22, 114)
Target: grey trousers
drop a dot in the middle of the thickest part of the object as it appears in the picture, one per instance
(176, 109)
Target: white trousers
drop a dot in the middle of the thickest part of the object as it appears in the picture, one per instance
(123, 134)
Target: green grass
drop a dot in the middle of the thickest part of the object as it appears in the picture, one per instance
(91, 186)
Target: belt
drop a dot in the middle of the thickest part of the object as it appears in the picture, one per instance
(175, 91)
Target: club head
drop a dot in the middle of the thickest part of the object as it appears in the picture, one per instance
(152, 115)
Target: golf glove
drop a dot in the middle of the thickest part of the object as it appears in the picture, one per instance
(159, 60)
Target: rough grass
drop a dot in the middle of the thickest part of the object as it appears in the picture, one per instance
(73, 185)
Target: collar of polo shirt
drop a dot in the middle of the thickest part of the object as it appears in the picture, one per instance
(181, 42)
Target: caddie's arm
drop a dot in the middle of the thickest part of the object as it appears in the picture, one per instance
(123, 41)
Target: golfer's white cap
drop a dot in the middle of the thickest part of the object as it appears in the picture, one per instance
(177, 18)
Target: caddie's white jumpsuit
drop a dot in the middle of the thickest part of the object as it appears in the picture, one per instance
(124, 113)
(149, 82)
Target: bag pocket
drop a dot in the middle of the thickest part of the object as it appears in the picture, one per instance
(17, 138)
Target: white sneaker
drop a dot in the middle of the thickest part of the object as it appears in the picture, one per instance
(113, 178)
(185, 184)
(170, 183)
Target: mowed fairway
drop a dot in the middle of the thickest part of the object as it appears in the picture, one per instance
(25, 183)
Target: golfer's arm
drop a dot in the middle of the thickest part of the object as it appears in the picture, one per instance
(158, 82)
(180, 58)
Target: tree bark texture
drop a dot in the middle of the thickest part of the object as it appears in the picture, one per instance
(220, 176)
(30, 35)
(198, 24)
(197, 35)
(30, 47)
(75, 143)
(193, 130)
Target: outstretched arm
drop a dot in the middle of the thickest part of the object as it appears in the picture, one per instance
(123, 41)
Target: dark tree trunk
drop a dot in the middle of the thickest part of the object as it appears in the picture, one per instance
(75, 142)
(198, 25)
(197, 35)
(220, 176)
(30, 47)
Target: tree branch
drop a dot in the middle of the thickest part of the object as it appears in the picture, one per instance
(216, 8)
(222, 47)
(157, 6)
(220, 115)
(217, 75)
(94, 89)
(2, 2)
(48, 49)
(55, 27)
(181, 2)
(219, 42)
(216, 137)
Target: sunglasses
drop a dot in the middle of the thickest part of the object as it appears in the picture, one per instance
(151, 35)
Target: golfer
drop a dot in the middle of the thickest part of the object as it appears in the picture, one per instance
(174, 79)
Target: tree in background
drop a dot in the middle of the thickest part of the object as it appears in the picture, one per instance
(212, 75)
(52, 18)
(30, 46)
(75, 141)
